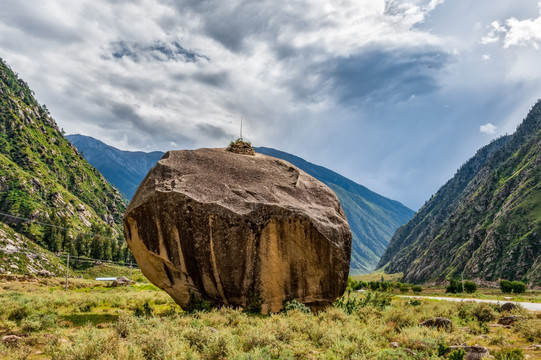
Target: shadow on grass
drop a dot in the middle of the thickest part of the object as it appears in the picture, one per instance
(94, 319)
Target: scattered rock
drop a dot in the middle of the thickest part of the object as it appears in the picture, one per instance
(509, 320)
(439, 322)
(475, 352)
(122, 281)
(508, 306)
(11, 340)
(231, 228)
(14, 267)
(394, 344)
(44, 273)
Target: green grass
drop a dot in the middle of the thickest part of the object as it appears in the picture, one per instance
(91, 321)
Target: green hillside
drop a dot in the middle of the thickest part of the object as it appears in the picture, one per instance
(49, 193)
(485, 222)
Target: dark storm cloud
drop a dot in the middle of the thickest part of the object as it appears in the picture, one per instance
(157, 51)
(386, 76)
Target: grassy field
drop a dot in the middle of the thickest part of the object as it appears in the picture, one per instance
(91, 321)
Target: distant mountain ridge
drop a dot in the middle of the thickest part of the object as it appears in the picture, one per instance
(372, 217)
(124, 169)
(485, 222)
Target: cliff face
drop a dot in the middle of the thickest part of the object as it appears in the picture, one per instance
(485, 222)
(228, 226)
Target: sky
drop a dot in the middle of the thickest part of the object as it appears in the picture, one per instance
(393, 94)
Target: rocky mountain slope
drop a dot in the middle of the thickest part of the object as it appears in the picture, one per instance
(48, 191)
(485, 222)
(372, 217)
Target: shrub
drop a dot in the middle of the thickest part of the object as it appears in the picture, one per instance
(404, 288)
(417, 289)
(195, 303)
(483, 312)
(458, 354)
(145, 310)
(255, 304)
(506, 286)
(18, 314)
(470, 287)
(296, 305)
(518, 287)
(509, 354)
(454, 287)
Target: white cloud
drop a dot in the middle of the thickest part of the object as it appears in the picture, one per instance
(515, 32)
(488, 128)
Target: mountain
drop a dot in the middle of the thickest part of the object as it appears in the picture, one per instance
(372, 217)
(485, 222)
(124, 169)
(49, 193)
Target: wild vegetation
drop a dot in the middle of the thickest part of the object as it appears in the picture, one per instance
(91, 321)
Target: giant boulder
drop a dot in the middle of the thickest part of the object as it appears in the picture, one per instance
(227, 227)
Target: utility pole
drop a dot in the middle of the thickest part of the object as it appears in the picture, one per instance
(67, 270)
(241, 128)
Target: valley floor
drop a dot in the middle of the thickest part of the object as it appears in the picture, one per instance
(39, 320)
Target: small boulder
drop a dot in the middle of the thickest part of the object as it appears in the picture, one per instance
(394, 345)
(508, 306)
(122, 281)
(11, 340)
(509, 320)
(438, 322)
(475, 352)
(44, 273)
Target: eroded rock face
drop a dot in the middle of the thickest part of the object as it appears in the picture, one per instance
(227, 226)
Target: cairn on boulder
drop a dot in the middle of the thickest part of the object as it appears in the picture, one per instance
(230, 228)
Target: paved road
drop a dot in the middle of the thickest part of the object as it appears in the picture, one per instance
(526, 305)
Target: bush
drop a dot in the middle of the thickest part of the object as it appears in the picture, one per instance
(517, 287)
(454, 287)
(509, 354)
(404, 288)
(457, 354)
(296, 305)
(470, 287)
(506, 286)
(417, 289)
(145, 310)
(483, 312)
(195, 303)
(255, 304)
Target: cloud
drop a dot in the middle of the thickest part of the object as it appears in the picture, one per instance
(387, 85)
(157, 51)
(514, 32)
(488, 128)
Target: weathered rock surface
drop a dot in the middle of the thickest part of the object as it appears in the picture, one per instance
(227, 226)
(438, 322)
(509, 320)
(508, 306)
